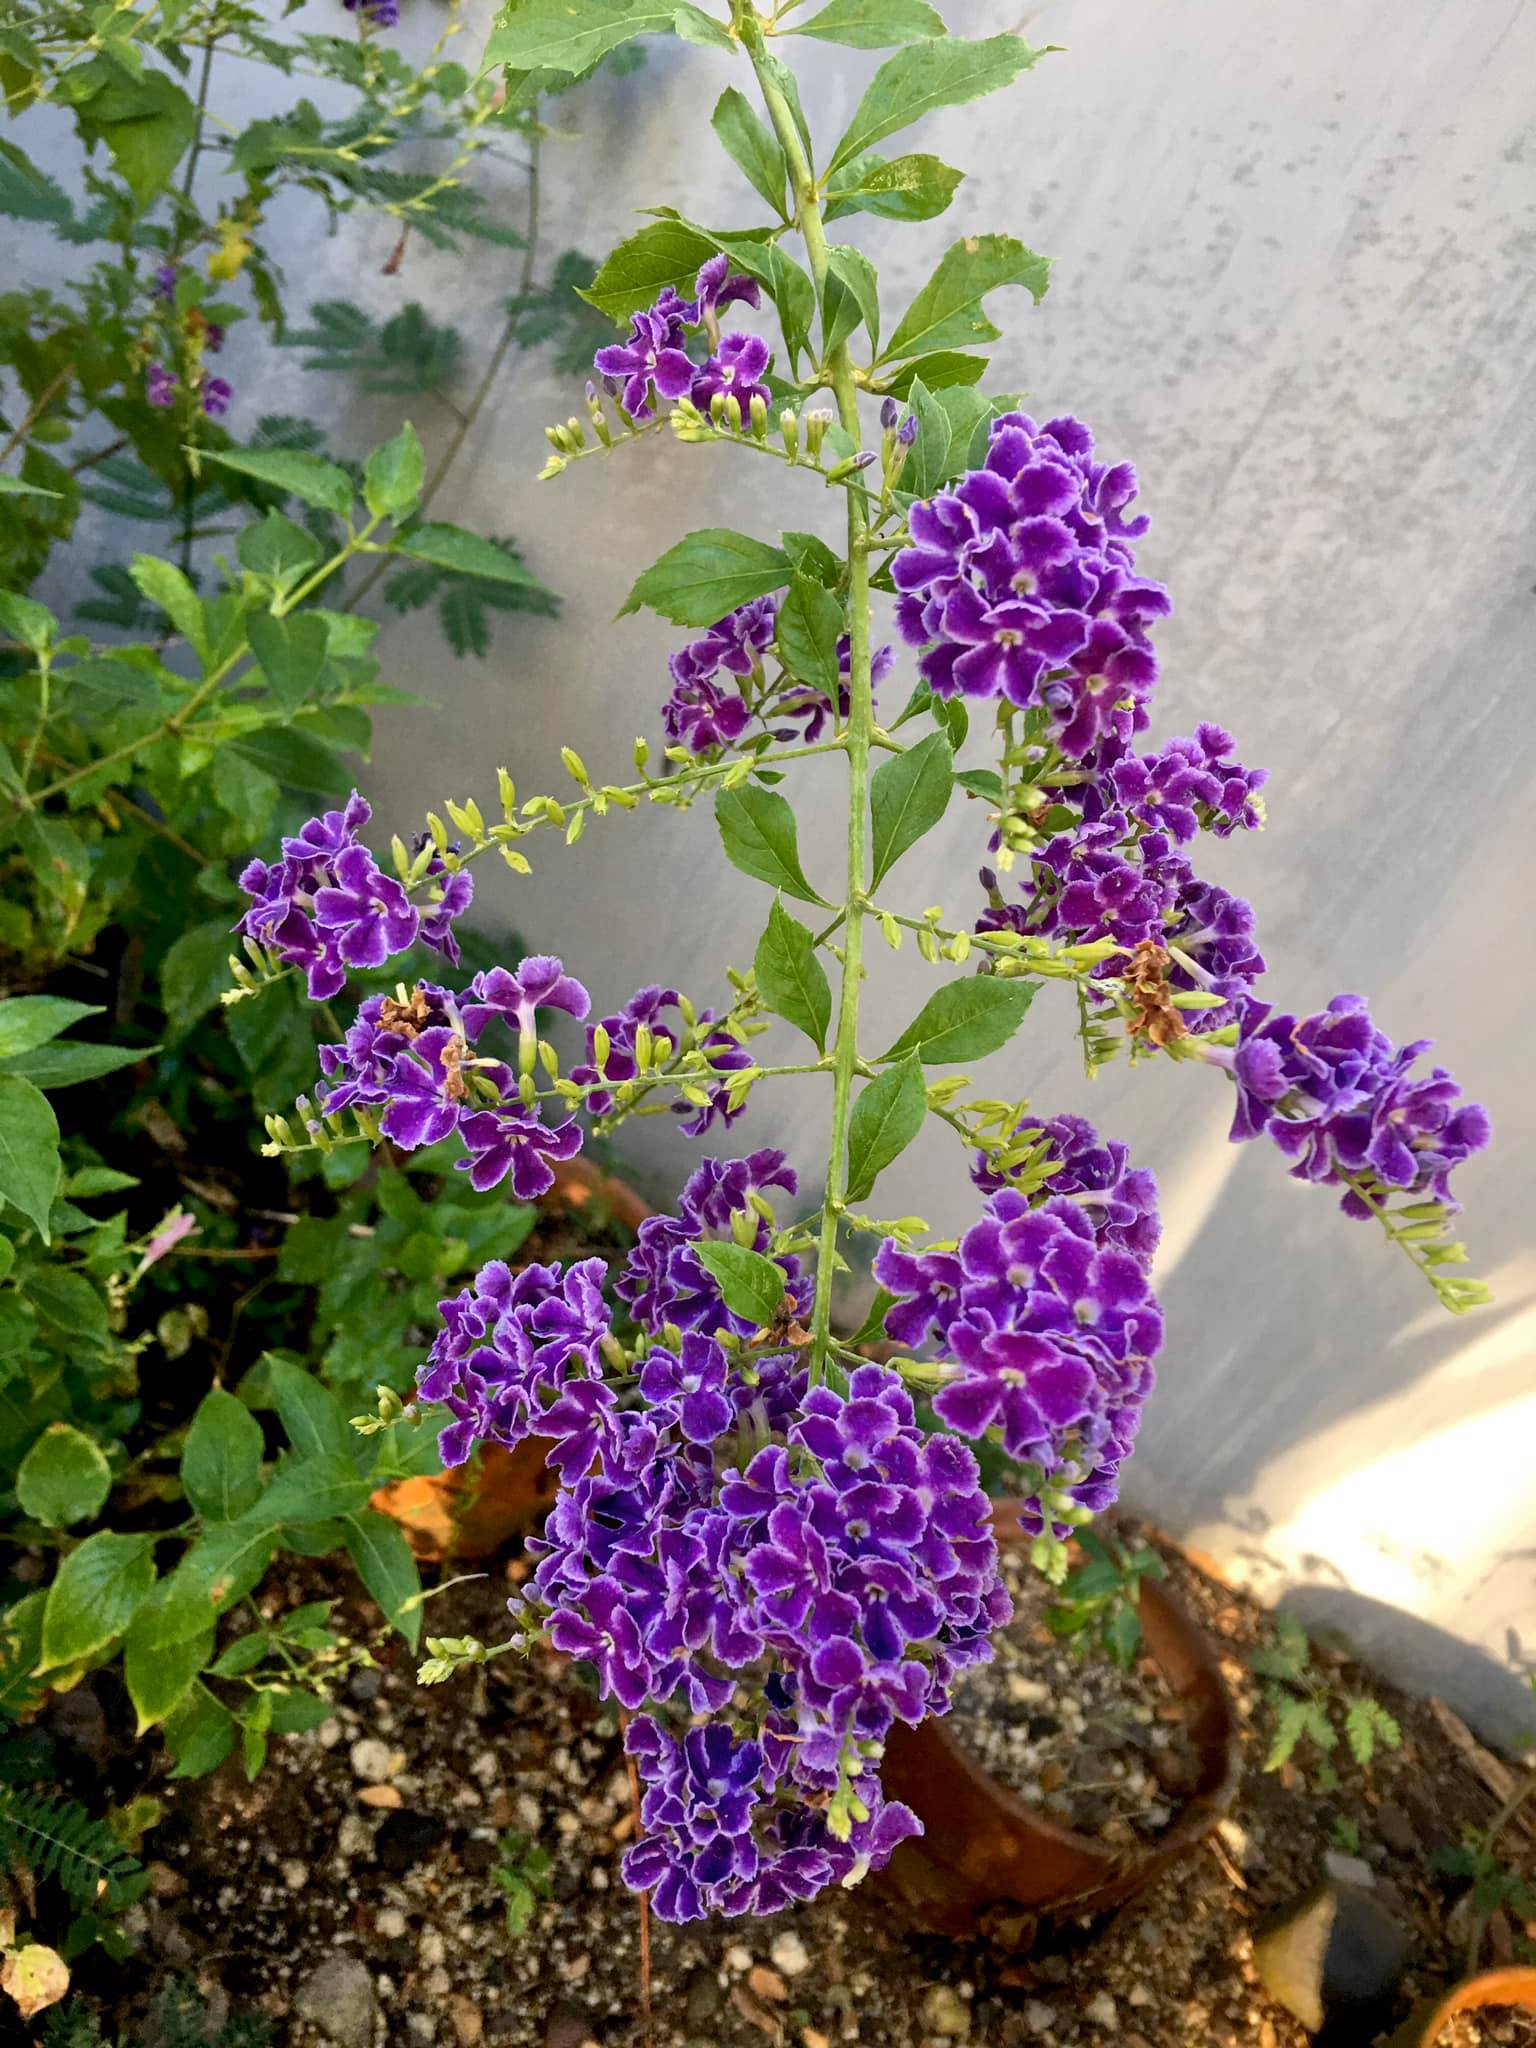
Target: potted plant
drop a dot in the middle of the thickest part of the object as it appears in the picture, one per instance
(770, 1564)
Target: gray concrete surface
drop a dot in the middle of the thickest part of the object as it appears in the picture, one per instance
(1294, 253)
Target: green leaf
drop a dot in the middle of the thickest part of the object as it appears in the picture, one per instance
(908, 794)
(387, 1567)
(63, 1478)
(886, 1118)
(872, 1329)
(147, 124)
(13, 487)
(708, 574)
(27, 621)
(62, 1066)
(752, 145)
(97, 1180)
(809, 626)
(927, 76)
(852, 296)
(790, 979)
(195, 971)
(471, 554)
(965, 1020)
(160, 1675)
(279, 550)
(752, 1284)
(291, 653)
(28, 1021)
(314, 1419)
(938, 372)
(165, 585)
(199, 1735)
(68, 1300)
(667, 252)
(221, 1567)
(560, 35)
(29, 1150)
(394, 475)
(313, 1490)
(693, 25)
(310, 478)
(221, 1461)
(243, 1655)
(947, 312)
(99, 1589)
(982, 782)
(873, 24)
(812, 557)
(757, 829)
(947, 421)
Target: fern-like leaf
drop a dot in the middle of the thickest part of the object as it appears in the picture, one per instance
(57, 1838)
(1369, 1727)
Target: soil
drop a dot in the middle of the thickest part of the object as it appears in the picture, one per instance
(1097, 1749)
(1491, 2030)
(378, 1837)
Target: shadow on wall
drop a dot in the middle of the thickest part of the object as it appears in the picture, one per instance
(1422, 1659)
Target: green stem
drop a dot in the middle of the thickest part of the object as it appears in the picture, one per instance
(861, 716)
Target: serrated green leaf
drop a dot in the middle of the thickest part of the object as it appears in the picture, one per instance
(751, 1284)
(812, 557)
(165, 585)
(394, 474)
(221, 1460)
(221, 1567)
(936, 372)
(947, 423)
(947, 312)
(666, 252)
(29, 1021)
(471, 554)
(147, 123)
(387, 1567)
(310, 478)
(757, 830)
(29, 1150)
(98, 1590)
(706, 575)
(199, 1735)
(64, 1478)
(312, 1489)
(752, 145)
(314, 1419)
(925, 77)
(1290, 1726)
(790, 978)
(810, 623)
(159, 1675)
(887, 1116)
(873, 24)
(851, 297)
(908, 794)
(965, 1020)
(693, 25)
(279, 550)
(27, 621)
(557, 35)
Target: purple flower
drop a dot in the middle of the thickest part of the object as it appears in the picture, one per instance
(165, 280)
(1119, 1200)
(217, 394)
(663, 1280)
(693, 1380)
(160, 385)
(804, 701)
(378, 13)
(705, 718)
(620, 1064)
(715, 287)
(514, 1141)
(425, 1088)
(367, 911)
(652, 361)
(735, 370)
(454, 894)
(538, 982)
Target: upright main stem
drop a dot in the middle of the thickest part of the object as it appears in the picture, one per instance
(861, 718)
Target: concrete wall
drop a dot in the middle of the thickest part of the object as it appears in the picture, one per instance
(1294, 286)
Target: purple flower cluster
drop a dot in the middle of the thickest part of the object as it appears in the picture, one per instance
(654, 362)
(1118, 1199)
(707, 711)
(665, 1281)
(411, 1065)
(1340, 1101)
(160, 386)
(605, 1071)
(1048, 1318)
(1020, 584)
(378, 13)
(327, 906)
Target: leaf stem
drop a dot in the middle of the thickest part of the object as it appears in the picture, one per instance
(861, 717)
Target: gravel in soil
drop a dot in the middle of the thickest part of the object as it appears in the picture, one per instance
(351, 1893)
(1097, 1749)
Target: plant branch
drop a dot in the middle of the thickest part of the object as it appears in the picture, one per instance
(36, 409)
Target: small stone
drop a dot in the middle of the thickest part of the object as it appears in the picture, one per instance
(1038, 2016)
(164, 1882)
(374, 1761)
(1337, 1948)
(1032, 1692)
(811, 2037)
(295, 1874)
(328, 1734)
(391, 1923)
(1348, 1869)
(467, 2020)
(363, 1686)
(788, 1954)
(407, 1838)
(432, 1948)
(437, 1983)
(1397, 1830)
(354, 1837)
(739, 1959)
(568, 2026)
(702, 2002)
(947, 2013)
(486, 1767)
(421, 2027)
(528, 1814)
(766, 1983)
(1103, 2012)
(1234, 1839)
(1138, 1995)
(383, 1796)
(338, 1998)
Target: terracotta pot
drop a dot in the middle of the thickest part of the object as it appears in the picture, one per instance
(1427, 2026)
(476, 1509)
(983, 1848)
